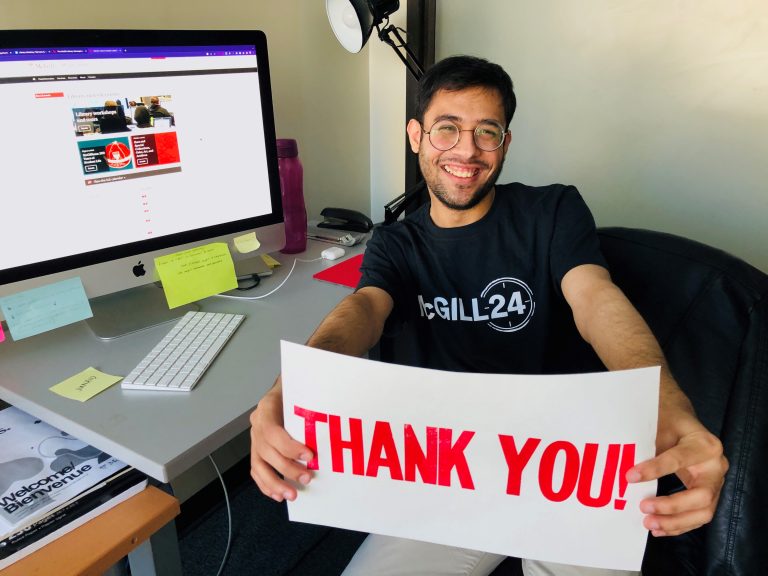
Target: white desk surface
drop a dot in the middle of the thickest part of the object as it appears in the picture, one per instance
(165, 433)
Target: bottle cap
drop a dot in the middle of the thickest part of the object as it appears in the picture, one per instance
(287, 148)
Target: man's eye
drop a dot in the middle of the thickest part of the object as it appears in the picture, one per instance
(487, 132)
(446, 129)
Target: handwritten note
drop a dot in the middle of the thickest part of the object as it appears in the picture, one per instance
(42, 309)
(197, 273)
(85, 385)
(525, 466)
(246, 243)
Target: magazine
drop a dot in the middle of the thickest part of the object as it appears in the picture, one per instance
(69, 517)
(43, 468)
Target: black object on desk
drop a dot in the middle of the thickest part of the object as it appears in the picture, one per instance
(344, 219)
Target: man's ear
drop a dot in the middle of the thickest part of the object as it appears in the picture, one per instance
(414, 134)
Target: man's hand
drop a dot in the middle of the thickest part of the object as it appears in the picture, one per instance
(696, 457)
(352, 328)
(273, 450)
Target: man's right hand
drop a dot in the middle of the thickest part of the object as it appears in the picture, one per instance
(352, 327)
(274, 454)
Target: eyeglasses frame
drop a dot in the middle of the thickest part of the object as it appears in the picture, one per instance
(459, 131)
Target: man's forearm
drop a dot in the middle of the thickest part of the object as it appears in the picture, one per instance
(354, 326)
(351, 328)
(609, 322)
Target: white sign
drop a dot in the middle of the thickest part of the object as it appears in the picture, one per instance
(525, 466)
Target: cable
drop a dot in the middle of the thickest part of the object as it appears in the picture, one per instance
(229, 517)
(271, 291)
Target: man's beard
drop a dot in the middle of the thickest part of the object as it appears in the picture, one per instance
(440, 193)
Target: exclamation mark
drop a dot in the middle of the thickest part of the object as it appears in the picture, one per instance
(627, 461)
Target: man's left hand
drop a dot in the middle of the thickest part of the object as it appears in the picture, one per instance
(697, 459)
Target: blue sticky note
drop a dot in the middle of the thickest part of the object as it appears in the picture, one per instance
(41, 309)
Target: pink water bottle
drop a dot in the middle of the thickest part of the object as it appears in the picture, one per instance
(292, 188)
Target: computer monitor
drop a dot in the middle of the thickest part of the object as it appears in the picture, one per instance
(92, 190)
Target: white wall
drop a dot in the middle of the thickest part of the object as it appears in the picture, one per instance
(320, 91)
(656, 110)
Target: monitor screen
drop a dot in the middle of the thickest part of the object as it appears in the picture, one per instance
(162, 122)
(124, 145)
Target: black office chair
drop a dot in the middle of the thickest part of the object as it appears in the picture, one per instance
(709, 311)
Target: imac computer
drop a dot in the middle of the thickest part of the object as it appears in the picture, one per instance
(92, 187)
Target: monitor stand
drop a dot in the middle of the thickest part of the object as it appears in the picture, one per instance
(129, 311)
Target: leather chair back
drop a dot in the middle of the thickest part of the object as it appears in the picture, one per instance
(709, 311)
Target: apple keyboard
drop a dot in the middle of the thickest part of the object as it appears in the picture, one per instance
(180, 358)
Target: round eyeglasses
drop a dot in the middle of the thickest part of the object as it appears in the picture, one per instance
(488, 135)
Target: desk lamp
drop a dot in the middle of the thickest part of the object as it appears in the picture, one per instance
(353, 22)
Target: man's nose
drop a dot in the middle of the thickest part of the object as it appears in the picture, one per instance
(466, 145)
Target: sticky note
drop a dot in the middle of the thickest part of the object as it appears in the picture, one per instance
(197, 273)
(85, 385)
(269, 261)
(247, 243)
(2, 334)
(42, 309)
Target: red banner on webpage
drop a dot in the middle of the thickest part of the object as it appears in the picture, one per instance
(155, 149)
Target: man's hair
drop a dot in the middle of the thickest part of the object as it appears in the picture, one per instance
(461, 72)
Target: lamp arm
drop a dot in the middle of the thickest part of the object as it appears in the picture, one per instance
(394, 208)
(412, 63)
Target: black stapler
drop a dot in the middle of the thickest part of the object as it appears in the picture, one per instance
(344, 219)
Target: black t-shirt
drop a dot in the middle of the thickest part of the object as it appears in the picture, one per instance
(485, 297)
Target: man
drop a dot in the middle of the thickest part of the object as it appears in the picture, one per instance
(112, 118)
(541, 242)
(155, 110)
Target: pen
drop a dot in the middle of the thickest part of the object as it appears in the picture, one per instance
(328, 238)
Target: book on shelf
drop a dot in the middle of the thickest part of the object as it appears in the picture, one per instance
(45, 471)
(77, 512)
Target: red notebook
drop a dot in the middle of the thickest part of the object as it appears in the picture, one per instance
(346, 273)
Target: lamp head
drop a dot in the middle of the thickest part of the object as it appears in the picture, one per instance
(353, 21)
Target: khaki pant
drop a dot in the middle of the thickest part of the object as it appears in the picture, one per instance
(388, 556)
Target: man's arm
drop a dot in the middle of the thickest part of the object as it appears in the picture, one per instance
(610, 324)
(353, 328)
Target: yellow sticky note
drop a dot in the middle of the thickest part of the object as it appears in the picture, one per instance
(269, 261)
(197, 273)
(85, 385)
(247, 243)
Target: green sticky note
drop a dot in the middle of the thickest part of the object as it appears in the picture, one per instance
(196, 273)
(85, 385)
(246, 243)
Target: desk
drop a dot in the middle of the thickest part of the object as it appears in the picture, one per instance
(164, 433)
(99, 543)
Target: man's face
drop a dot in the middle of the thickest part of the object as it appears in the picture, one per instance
(462, 177)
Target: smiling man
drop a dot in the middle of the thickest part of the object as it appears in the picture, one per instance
(483, 277)
(461, 175)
